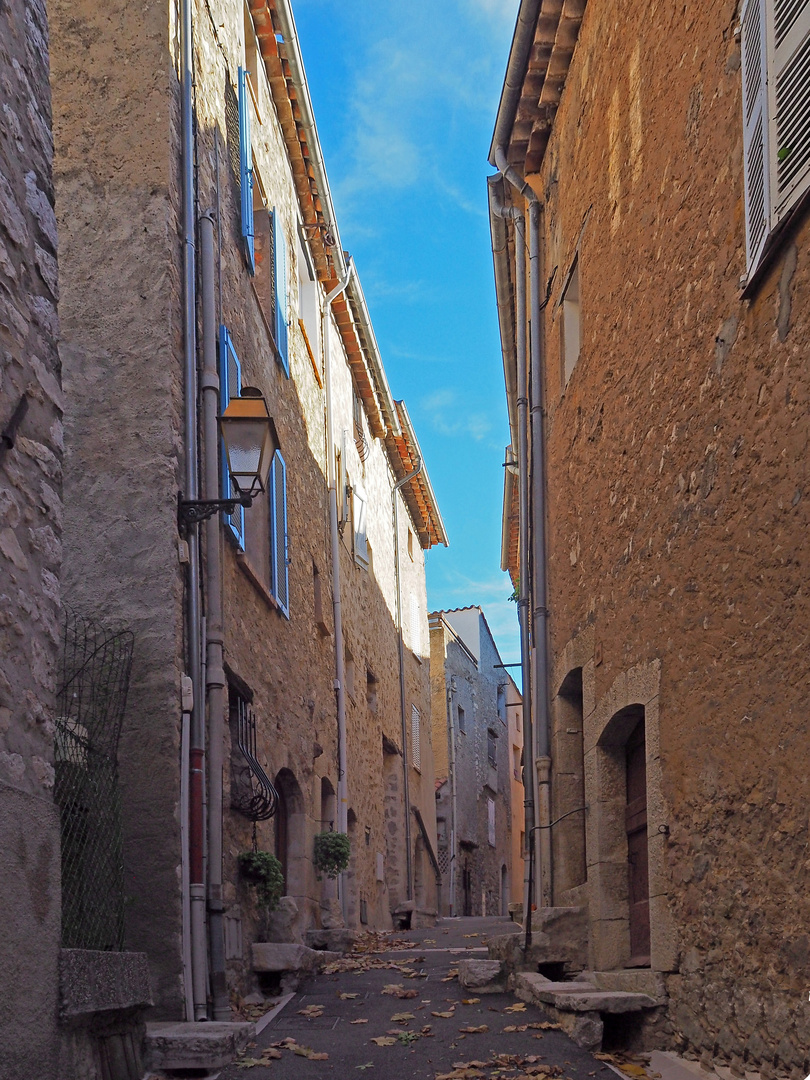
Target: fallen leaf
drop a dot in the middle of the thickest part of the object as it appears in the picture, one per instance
(544, 1025)
(475, 1030)
(370, 1065)
(470, 1001)
(384, 1040)
(519, 1006)
(311, 1012)
(348, 997)
(362, 1020)
(429, 941)
(402, 1018)
(451, 974)
(446, 1015)
(399, 991)
(472, 935)
(308, 1052)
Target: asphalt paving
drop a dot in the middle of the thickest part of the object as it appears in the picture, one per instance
(417, 1011)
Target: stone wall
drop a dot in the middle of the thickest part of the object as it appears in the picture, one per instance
(677, 498)
(30, 549)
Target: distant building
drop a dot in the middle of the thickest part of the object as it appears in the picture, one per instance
(477, 749)
(654, 164)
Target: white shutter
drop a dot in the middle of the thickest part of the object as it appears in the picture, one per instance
(360, 528)
(755, 129)
(789, 102)
(416, 748)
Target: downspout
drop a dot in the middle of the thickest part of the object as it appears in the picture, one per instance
(451, 738)
(406, 792)
(541, 758)
(196, 763)
(540, 675)
(331, 472)
(523, 585)
(215, 637)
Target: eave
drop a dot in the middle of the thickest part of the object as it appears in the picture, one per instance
(418, 492)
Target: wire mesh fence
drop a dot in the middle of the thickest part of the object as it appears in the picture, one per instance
(93, 686)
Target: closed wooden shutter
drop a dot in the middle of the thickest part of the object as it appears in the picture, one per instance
(230, 386)
(279, 545)
(280, 257)
(789, 96)
(360, 527)
(755, 130)
(416, 748)
(246, 171)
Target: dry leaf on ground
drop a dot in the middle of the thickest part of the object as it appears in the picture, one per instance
(446, 1015)
(348, 997)
(361, 1020)
(519, 1006)
(311, 1012)
(308, 1052)
(545, 1025)
(475, 1030)
(383, 1040)
(402, 1018)
(470, 1001)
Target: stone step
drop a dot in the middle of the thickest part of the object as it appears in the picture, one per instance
(581, 997)
(202, 1046)
(632, 980)
(285, 956)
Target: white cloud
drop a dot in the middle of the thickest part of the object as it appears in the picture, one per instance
(448, 414)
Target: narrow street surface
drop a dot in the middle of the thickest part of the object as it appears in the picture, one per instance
(425, 1025)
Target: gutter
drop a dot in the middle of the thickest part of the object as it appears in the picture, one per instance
(522, 41)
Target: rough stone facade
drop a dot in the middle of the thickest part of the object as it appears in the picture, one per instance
(118, 200)
(677, 515)
(30, 548)
(470, 696)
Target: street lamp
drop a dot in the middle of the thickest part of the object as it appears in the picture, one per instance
(250, 440)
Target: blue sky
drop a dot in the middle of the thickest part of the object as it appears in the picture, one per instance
(405, 97)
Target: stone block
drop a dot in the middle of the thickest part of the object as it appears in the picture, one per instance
(636, 981)
(96, 982)
(483, 976)
(208, 1046)
(281, 922)
(585, 1029)
(339, 940)
(286, 956)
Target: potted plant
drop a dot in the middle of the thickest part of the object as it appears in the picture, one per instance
(262, 870)
(331, 856)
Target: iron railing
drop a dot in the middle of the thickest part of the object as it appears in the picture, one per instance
(93, 686)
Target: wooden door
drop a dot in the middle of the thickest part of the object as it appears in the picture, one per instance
(636, 826)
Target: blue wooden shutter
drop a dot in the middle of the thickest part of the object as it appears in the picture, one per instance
(246, 172)
(279, 546)
(280, 256)
(230, 386)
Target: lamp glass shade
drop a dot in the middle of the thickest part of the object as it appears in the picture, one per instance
(250, 442)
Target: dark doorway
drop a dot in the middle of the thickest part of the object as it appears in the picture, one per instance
(466, 885)
(282, 837)
(636, 828)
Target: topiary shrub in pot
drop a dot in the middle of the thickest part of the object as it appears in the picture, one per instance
(331, 855)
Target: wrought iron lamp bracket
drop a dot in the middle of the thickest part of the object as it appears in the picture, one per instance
(192, 511)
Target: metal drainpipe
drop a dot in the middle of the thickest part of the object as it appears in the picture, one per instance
(215, 631)
(523, 586)
(406, 786)
(540, 680)
(451, 738)
(340, 673)
(196, 763)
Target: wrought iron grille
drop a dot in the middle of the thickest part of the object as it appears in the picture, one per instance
(252, 792)
(94, 681)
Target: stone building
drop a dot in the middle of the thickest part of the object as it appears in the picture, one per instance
(200, 255)
(474, 746)
(654, 164)
(30, 548)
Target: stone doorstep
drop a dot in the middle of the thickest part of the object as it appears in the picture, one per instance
(581, 997)
(209, 1045)
(632, 980)
(281, 956)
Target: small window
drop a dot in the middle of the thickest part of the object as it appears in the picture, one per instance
(462, 720)
(492, 749)
(230, 386)
(569, 324)
(517, 719)
(279, 541)
(361, 553)
(491, 821)
(416, 746)
(371, 690)
(502, 703)
(410, 543)
(348, 661)
(516, 766)
(320, 621)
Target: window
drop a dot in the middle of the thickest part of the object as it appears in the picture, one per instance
(516, 756)
(279, 543)
(246, 170)
(361, 554)
(270, 276)
(230, 386)
(348, 663)
(360, 440)
(308, 313)
(502, 703)
(492, 748)
(410, 543)
(776, 99)
(416, 748)
(280, 278)
(320, 621)
(569, 324)
(491, 821)
(371, 690)
(462, 720)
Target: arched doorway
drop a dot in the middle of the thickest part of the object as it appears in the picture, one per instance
(637, 856)
(329, 889)
(290, 833)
